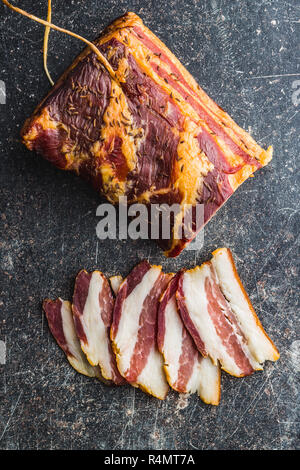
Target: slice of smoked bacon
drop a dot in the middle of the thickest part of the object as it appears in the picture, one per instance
(134, 329)
(187, 371)
(92, 307)
(151, 134)
(218, 314)
(60, 320)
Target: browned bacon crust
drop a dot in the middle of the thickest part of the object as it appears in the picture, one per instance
(152, 135)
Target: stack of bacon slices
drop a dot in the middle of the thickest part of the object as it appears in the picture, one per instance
(162, 330)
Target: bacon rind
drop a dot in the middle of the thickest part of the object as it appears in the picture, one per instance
(92, 308)
(259, 343)
(187, 371)
(60, 320)
(134, 327)
(152, 135)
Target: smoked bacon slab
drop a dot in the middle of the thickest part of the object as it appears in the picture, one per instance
(147, 132)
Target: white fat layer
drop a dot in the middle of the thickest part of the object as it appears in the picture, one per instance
(126, 336)
(209, 381)
(152, 378)
(115, 282)
(97, 346)
(205, 380)
(78, 359)
(258, 342)
(205, 377)
(172, 344)
(196, 302)
(194, 380)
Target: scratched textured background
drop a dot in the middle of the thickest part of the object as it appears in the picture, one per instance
(245, 54)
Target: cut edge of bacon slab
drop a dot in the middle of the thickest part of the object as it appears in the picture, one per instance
(134, 329)
(187, 371)
(220, 317)
(92, 308)
(60, 320)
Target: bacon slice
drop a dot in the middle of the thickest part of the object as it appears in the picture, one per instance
(133, 331)
(187, 371)
(152, 135)
(92, 307)
(259, 344)
(221, 326)
(60, 320)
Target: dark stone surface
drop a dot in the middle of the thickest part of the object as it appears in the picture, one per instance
(245, 54)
